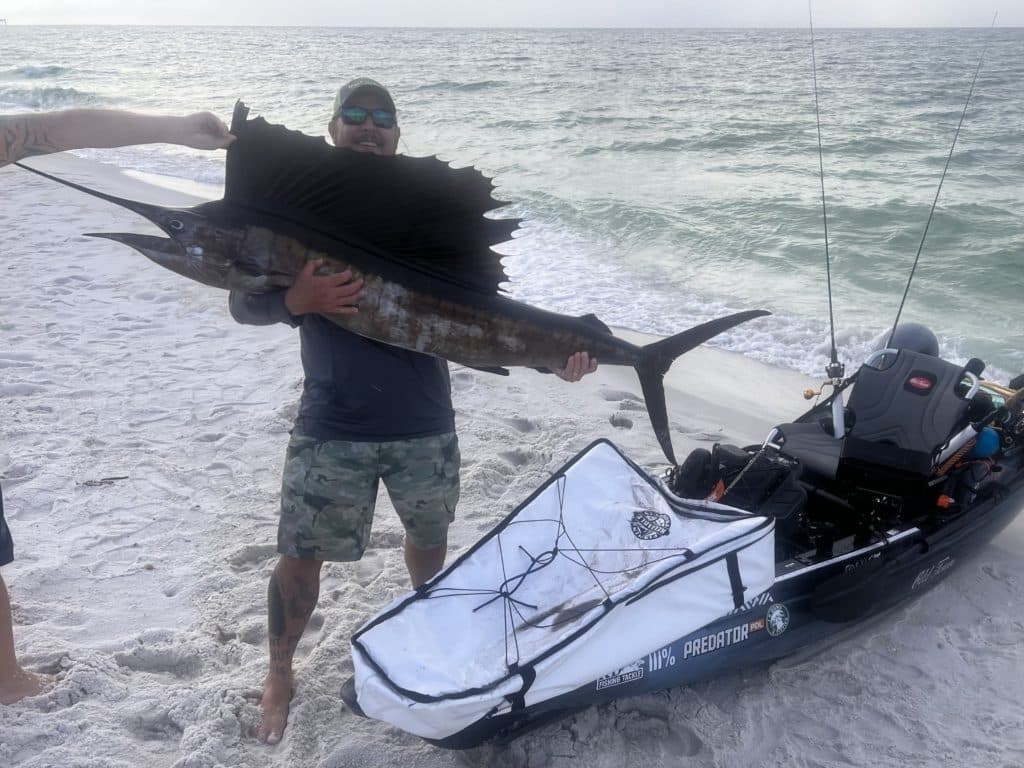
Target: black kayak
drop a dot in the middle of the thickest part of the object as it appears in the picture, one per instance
(928, 469)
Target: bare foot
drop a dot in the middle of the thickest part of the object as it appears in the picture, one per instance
(22, 684)
(277, 695)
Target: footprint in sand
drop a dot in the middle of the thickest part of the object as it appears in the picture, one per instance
(154, 725)
(251, 632)
(633, 405)
(252, 557)
(386, 540)
(19, 472)
(675, 739)
(494, 475)
(182, 662)
(65, 279)
(368, 570)
(518, 457)
(621, 421)
(618, 395)
(702, 435)
(521, 425)
(463, 381)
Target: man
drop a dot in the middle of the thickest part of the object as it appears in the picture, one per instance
(37, 134)
(369, 412)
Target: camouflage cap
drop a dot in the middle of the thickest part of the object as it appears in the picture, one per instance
(361, 84)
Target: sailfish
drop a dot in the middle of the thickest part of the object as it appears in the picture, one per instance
(414, 229)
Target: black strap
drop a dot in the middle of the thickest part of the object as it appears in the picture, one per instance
(518, 699)
(732, 563)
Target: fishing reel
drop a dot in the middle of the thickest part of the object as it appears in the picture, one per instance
(810, 393)
(835, 371)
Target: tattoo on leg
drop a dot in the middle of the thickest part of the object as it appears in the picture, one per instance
(303, 602)
(275, 604)
(280, 657)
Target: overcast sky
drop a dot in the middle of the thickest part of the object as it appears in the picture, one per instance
(519, 13)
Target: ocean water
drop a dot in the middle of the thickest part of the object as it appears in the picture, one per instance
(665, 176)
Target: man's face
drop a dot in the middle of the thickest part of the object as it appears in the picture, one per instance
(365, 137)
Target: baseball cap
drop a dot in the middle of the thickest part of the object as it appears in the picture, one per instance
(361, 84)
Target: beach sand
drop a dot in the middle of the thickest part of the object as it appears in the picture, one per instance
(142, 433)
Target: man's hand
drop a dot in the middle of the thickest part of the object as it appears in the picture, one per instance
(328, 294)
(204, 130)
(576, 367)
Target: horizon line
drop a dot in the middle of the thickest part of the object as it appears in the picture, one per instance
(494, 27)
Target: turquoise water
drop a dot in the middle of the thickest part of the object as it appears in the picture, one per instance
(665, 176)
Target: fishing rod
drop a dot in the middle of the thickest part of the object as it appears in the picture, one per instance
(935, 202)
(835, 370)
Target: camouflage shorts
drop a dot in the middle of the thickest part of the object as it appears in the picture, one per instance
(330, 487)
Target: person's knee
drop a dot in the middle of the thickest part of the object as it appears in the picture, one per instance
(435, 547)
(299, 569)
(423, 563)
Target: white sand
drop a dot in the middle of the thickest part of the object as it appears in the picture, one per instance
(141, 439)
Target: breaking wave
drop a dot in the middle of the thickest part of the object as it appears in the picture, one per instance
(34, 72)
(47, 98)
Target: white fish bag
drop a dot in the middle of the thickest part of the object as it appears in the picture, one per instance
(596, 569)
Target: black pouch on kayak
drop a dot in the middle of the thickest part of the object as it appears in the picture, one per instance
(767, 483)
(694, 478)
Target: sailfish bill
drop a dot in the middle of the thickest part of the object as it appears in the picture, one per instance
(413, 229)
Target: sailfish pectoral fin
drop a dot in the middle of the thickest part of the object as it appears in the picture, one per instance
(657, 358)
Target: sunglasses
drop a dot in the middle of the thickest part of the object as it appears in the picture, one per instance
(382, 118)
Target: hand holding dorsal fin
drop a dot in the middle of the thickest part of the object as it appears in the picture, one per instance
(415, 210)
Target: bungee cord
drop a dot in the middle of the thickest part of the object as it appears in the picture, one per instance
(563, 548)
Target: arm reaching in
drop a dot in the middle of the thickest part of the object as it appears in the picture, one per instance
(577, 366)
(328, 294)
(38, 134)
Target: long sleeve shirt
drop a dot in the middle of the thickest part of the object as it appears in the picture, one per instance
(355, 388)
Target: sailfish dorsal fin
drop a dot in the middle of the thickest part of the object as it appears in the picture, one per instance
(416, 210)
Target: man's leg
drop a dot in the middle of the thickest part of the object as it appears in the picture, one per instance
(423, 563)
(422, 478)
(327, 496)
(291, 599)
(15, 682)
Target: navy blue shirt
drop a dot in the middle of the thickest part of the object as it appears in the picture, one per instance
(357, 389)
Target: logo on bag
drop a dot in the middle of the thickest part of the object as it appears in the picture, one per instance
(777, 619)
(648, 524)
(627, 674)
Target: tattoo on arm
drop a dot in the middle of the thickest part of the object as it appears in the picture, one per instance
(23, 137)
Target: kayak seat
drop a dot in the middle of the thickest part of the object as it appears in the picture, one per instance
(915, 403)
(813, 444)
(899, 414)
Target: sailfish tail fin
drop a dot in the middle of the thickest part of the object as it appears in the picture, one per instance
(657, 358)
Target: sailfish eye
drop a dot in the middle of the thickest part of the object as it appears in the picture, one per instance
(176, 224)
